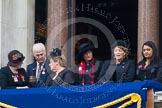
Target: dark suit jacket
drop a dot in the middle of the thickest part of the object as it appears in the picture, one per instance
(152, 72)
(65, 77)
(112, 72)
(7, 78)
(31, 71)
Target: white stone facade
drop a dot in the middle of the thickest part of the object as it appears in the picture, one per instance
(16, 28)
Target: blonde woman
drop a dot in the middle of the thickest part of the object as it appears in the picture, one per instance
(119, 69)
(61, 74)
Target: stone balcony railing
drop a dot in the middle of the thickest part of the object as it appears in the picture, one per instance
(158, 99)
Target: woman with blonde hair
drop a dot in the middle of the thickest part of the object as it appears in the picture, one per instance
(120, 68)
(61, 74)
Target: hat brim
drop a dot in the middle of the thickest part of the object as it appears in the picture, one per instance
(17, 63)
(80, 54)
(118, 43)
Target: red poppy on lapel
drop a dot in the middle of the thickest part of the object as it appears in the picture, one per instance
(140, 66)
(22, 77)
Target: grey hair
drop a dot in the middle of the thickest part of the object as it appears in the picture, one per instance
(40, 45)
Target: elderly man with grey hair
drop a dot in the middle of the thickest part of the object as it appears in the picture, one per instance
(39, 70)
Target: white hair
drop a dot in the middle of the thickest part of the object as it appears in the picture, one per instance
(35, 46)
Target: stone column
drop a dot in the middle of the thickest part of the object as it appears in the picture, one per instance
(57, 28)
(150, 98)
(16, 28)
(0, 30)
(148, 23)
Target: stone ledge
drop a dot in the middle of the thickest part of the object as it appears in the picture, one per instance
(158, 96)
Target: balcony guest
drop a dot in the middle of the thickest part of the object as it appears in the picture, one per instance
(13, 75)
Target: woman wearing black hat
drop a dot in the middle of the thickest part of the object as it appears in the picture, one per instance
(89, 68)
(61, 75)
(12, 75)
(119, 69)
(150, 67)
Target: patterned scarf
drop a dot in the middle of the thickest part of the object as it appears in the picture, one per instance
(82, 69)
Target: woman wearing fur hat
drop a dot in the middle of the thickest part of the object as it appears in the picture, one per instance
(119, 69)
(89, 68)
(12, 75)
(61, 75)
(150, 67)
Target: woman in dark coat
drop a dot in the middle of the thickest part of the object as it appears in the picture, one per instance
(119, 69)
(12, 75)
(89, 68)
(150, 67)
(61, 75)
